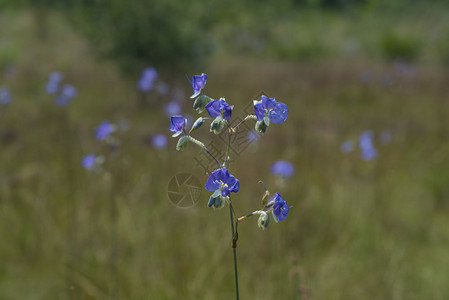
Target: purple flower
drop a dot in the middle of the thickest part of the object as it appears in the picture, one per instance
(347, 146)
(159, 141)
(198, 83)
(89, 161)
(104, 130)
(67, 93)
(268, 109)
(280, 208)
(368, 151)
(146, 81)
(220, 107)
(221, 180)
(177, 124)
(53, 82)
(5, 96)
(172, 108)
(282, 168)
(163, 88)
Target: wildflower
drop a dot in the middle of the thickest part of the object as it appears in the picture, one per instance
(282, 168)
(172, 108)
(5, 96)
(366, 145)
(89, 161)
(67, 93)
(104, 130)
(222, 182)
(347, 146)
(147, 79)
(280, 208)
(177, 124)
(162, 88)
(159, 141)
(267, 109)
(219, 107)
(198, 83)
(53, 82)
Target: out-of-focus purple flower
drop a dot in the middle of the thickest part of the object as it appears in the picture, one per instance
(177, 124)
(282, 168)
(147, 79)
(252, 136)
(67, 93)
(368, 150)
(198, 83)
(162, 88)
(89, 161)
(386, 80)
(385, 137)
(159, 141)
(280, 208)
(104, 130)
(172, 108)
(53, 82)
(177, 94)
(268, 109)
(366, 76)
(220, 107)
(5, 96)
(347, 146)
(405, 68)
(223, 181)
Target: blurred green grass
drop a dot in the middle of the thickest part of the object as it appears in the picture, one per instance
(357, 229)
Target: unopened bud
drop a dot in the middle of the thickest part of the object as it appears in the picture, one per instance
(261, 127)
(200, 103)
(182, 143)
(217, 125)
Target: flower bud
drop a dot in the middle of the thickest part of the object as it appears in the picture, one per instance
(217, 125)
(183, 142)
(198, 123)
(265, 197)
(200, 103)
(216, 200)
(263, 220)
(261, 127)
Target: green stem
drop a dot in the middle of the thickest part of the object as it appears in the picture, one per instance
(234, 250)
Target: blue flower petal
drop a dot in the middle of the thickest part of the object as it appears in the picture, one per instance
(177, 123)
(198, 83)
(259, 110)
(213, 108)
(280, 113)
(280, 208)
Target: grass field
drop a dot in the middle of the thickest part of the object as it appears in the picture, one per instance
(358, 229)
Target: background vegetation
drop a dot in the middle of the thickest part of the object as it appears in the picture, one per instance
(357, 230)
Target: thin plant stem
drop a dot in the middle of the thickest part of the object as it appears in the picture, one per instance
(234, 250)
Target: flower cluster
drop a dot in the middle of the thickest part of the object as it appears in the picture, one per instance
(221, 182)
(63, 93)
(104, 132)
(147, 79)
